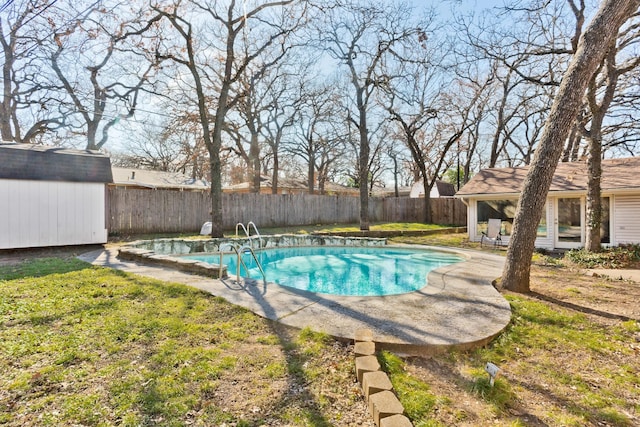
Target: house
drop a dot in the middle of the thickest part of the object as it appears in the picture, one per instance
(493, 193)
(151, 179)
(384, 192)
(439, 189)
(290, 186)
(52, 196)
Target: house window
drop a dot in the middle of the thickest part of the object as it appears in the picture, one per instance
(605, 236)
(506, 211)
(542, 225)
(570, 215)
(502, 209)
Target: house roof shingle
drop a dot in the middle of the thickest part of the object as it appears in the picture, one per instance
(289, 184)
(46, 163)
(617, 174)
(156, 179)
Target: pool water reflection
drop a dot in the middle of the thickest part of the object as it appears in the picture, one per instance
(344, 270)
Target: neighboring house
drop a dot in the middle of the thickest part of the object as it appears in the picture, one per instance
(385, 192)
(439, 189)
(493, 193)
(52, 196)
(142, 178)
(290, 186)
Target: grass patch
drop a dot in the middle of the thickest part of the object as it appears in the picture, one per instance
(90, 346)
(563, 353)
(416, 396)
(459, 240)
(336, 228)
(40, 267)
(83, 345)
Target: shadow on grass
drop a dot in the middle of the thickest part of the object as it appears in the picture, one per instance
(500, 396)
(580, 308)
(310, 412)
(296, 360)
(299, 399)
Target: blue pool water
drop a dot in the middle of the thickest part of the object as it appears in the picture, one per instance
(362, 271)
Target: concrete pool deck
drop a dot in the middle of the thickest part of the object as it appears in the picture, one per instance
(459, 308)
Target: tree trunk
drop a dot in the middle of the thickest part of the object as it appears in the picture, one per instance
(591, 50)
(311, 169)
(427, 194)
(396, 172)
(92, 130)
(254, 163)
(427, 207)
(213, 145)
(594, 197)
(364, 164)
(594, 160)
(7, 98)
(274, 177)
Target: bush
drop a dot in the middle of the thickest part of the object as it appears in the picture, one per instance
(616, 257)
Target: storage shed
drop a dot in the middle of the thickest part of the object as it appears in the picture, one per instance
(52, 196)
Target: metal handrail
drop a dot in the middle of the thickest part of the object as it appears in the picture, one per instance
(247, 231)
(243, 228)
(253, 254)
(239, 251)
(249, 224)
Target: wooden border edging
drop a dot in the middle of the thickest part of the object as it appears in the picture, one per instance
(384, 406)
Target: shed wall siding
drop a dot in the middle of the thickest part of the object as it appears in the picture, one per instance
(47, 213)
(626, 224)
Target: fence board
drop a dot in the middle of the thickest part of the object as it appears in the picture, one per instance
(132, 211)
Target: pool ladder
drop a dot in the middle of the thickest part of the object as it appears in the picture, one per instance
(240, 250)
(247, 232)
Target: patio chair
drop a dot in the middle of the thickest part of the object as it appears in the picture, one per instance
(493, 233)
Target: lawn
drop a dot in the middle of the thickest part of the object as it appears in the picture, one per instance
(83, 345)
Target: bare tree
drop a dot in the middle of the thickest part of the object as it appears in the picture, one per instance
(430, 114)
(28, 104)
(101, 43)
(175, 145)
(264, 112)
(318, 137)
(250, 108)
(361, 36)
(215, 78)
(280, 113)
(601, 93)
(524, 58)
(591, 49)
(545, 45)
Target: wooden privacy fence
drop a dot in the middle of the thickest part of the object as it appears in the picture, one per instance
(132, 211)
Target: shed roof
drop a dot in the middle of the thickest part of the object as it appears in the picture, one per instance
(46, 163)
(617, 174)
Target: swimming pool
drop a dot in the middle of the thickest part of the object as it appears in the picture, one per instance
(353, 271)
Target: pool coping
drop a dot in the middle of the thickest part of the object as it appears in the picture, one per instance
(459, 308)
